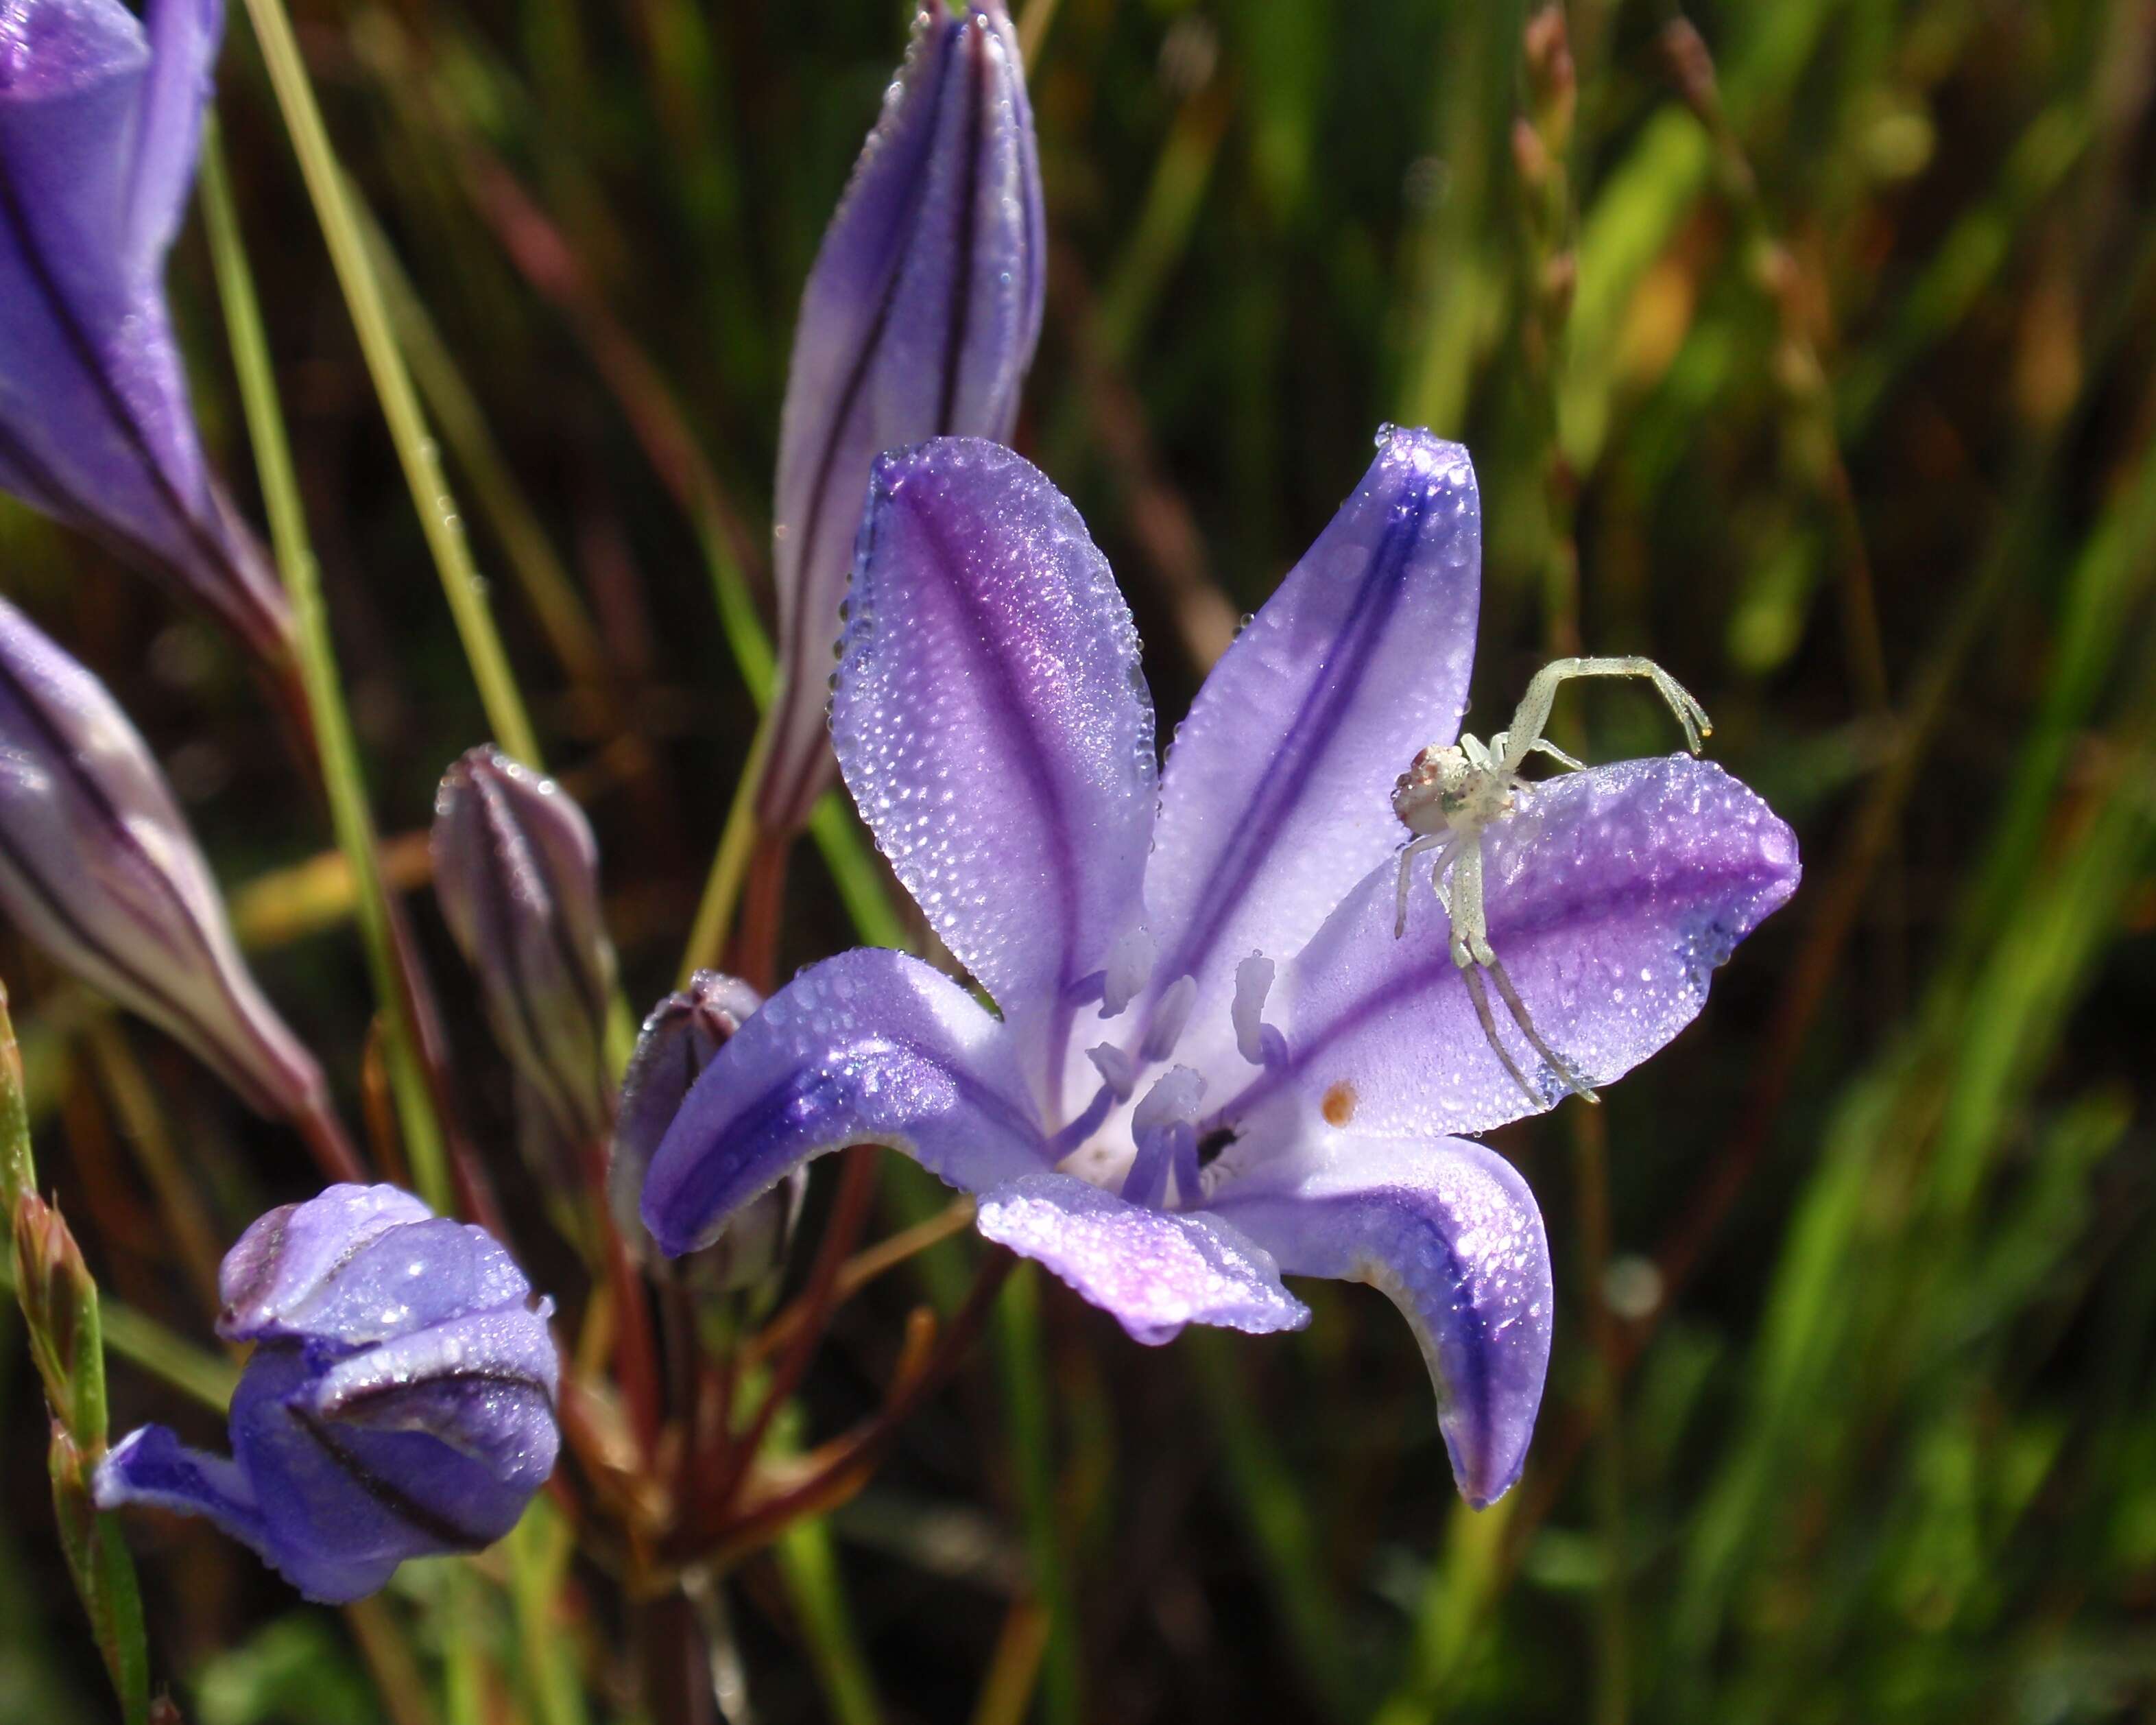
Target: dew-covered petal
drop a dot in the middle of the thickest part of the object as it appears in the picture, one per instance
(1277, 795)
(342, 1504)
(918, 320)
(994, 725)
(151, 1466)
(277, 1268)
(1450, 1234)
(483, 1382)
(871, 1047)
(1612, 896)
(1152, 1270)
(390, 1282)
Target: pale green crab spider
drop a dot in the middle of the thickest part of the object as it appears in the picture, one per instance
(1452, 794)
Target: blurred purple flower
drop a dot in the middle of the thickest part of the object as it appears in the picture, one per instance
(399, 1401)
(98, 867)
(918, 320)
(678, 1039)
(518, 874)
(1284, 1078)
(99, 120)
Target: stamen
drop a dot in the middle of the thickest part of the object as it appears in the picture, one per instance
(1117, 1069)
(1130, 968)
(1083, 1127)
(1254, 981)
(1517, 1007)
(1476, 992)
(1169, 1016)
(1165, 1127)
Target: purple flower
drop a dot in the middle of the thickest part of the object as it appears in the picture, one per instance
(919, 320)
(399, 1401)
(518, 874)
(98, 867)
(1279, 1082)
(676, 1043)
(99, 120)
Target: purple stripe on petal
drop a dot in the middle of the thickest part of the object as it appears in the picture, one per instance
(1276, 797)
(1612, 896)
(1451, 1234)
(870, 1047)
(184, 35)
(1152, 1270)
(994, 727)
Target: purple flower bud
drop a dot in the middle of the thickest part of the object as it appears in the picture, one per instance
(677, 1042)
(98, 867)
(516, 871)
(399, 1402)
(99, 120)
(919, 320)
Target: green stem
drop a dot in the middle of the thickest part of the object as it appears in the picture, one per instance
(416, 450)
(343, 781)
(1026, 1401)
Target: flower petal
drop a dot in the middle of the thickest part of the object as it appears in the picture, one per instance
(870, 1047)
(150, 1466)
(184, 35)
(483, 1382)
(1276, 797)
(98, 128)
(399, 1281)
(994, 727)
(1611, 896)
(1152, 1270)
(97, 864)
(918, 320)
(1450, 1234)
(280, 1265)
(343, 1505)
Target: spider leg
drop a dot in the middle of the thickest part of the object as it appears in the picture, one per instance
(1476, 993)
(1533, 711)
(1518, 1008)
(1408, 854)
(1543, 745)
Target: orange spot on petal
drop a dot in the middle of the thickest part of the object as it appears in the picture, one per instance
(1339, 1104)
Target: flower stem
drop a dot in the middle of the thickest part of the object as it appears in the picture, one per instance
(343, 781)
(416, 450)
(1027, 1404)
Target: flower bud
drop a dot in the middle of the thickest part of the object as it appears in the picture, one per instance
(516, 871)
(98, 867)
(676, 1043)
(918, 320)
(399, 1402)
(99, 121)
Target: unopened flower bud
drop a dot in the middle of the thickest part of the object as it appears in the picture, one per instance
(100, 116)
(918, 320)
(517, 874)
(676, 1043)
(98, 867)
(399, 1402)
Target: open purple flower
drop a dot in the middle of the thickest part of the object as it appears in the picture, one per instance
(1215, 1062)
(399, 1402)
(100, 116)
(918, 320)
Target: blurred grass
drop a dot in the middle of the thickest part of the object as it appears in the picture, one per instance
(1888, 1435)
